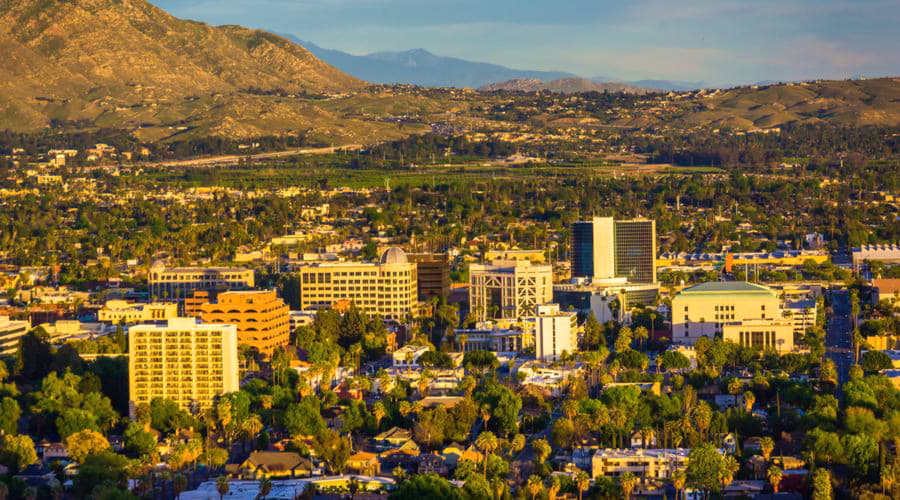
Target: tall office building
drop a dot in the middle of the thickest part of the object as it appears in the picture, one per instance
(433, 274)
(262, 319)
(554, 332)
(388, 288)
(604, 249)
(508, 289)
(10, 333)
(187, 362)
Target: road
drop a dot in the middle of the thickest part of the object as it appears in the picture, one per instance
(838, 333)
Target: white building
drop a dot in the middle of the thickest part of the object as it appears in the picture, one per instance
(408, 356)
(10, 333)
(508, 289)
(555, 332)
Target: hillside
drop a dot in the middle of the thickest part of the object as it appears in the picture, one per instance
(126, 63)
(563, 86)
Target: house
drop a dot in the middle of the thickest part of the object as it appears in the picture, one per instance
(364, 464)
(455, 452)
(52, 451)
(643, 439)
(727, 401)
(433, 464)
(272, 464)
(394, 437)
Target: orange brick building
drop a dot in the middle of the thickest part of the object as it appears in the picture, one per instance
(262, 319)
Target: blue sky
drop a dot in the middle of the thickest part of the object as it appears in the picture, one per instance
(718, 41)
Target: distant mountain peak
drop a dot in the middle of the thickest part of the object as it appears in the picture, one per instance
(570, 85)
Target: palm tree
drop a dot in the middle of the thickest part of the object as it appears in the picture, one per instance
(583, 482)
(774, 474)
(749, 401)
(541, 449)
(498, 488)
(265, 487)
(641, 333)
(251, 427)
(570, 409)
(462, 340)
(379, 412)
(766, 446)
(822, 484)
(222, 486)
(728, 470)
(628, 482)
(553, 488)
(535, 485)
(487, 443)
(679, 480)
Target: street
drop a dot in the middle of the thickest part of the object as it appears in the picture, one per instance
(838, 333)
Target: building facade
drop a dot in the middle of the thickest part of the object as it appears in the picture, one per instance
(605, 249)
(433, 270)
(180, 282)
(703, 310)
(10, 333)
(121, 311)
(762, 334)
(555, 332)
(645, 464)
(262, 319)
(508, 289)
(388, 288)
(187, 362)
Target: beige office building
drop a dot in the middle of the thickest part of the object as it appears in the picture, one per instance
(185, 361)
(703, 310)
(762, 334)
(119, 311)
(388, 288)
(508, 289)
(10, 333)
(645, 464)
(180, 282)
(555, 332)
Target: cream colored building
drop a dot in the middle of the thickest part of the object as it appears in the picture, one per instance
(508, 289)
(185, 361)
(10, 333)
(388, 288)
(703, 310)
(762, 334)
(179, 282)
(118, 311)
(645, 464)
(533, 256)
(555, 332)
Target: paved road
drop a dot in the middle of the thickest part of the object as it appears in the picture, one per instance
(838, 333)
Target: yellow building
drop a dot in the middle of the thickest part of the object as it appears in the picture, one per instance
(703, 310)
(187, 362)
(762, 334)
(533, 256)
(10, 333)
(508, 289)
(179, 282)
(118, 311)
(388, 288)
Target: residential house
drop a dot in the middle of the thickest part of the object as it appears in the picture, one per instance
(273, 464)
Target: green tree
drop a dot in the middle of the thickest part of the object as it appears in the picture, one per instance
(138, 441)
(822, 484)
(9, 416)
(17, 451)
(100, 468)
(85, 442)
(487, 443)
(704, 468)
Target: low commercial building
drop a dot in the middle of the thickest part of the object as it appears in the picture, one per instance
(889, 254)
(10, 333)
(802, 314)
(262, 319)
(122, 311)
(645, 464)
(533, 256)
(388, 288)
(508, 289)
(180, 282)
(408, 356)
(703, 310)
(555, 333)
(494, 339)
(761, 334)
(187, 362)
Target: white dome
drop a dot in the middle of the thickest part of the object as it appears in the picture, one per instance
(394, 255)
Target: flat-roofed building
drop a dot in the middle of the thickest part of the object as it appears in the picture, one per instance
(604, 249)
(180, 282)
(645, 464)
(10, 333)
(508, 289)
(703, 310)
(533, 256)
(761, 334)
(433, 270)
(802, 313)
(262, 319)
(185, 361)
(388, 288)
(122, 311)
(555, 332)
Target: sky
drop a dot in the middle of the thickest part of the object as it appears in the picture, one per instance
(715, 41)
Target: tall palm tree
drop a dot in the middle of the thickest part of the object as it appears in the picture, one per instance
(728, 470)
(628, 481)
(553, 488)
(486, 442)
(774, 475)
(535, 485)
(582, 482)
(379, 412)
(766, 446)
(679, 480)
(222, 486)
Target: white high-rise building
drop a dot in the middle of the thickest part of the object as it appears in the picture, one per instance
(555, 332)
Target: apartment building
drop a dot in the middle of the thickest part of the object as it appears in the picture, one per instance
(10, 333)
(703, 310)
(555, 332)
(182, 360)
(262, 319)
(508, 289)
(388, 288)
(180, 282)
(121, 311)
(645, 464)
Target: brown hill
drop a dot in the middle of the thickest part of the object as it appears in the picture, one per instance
(95, 59)
(563, 86)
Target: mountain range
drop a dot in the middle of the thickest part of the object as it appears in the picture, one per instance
(572, 85)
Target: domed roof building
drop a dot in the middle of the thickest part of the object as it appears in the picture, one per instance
(394, 255)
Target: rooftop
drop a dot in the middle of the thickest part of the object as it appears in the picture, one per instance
(714, 287)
